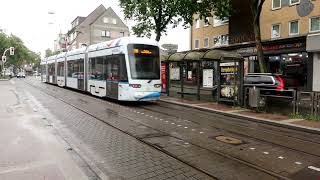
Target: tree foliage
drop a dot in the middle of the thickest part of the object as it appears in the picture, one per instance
(156, 15)
(22, 54)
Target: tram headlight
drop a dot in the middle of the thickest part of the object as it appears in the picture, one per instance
(157, 85)
(135, 85)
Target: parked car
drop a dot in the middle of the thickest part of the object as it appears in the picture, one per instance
(264, 80)
(21, 75)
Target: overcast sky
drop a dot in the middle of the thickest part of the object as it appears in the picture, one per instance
(30, 20)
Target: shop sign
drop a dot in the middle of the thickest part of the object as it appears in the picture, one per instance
(163, 77)
(207, 78)
(175, 74)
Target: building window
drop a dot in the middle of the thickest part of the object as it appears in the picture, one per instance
(122, 34)
(106, 20)
(276, 4)
(197, 23)
(221, 40)
(206, 42)
(219, 22)
(196, 44)
(293, 28)
(114, 21)
(315, 24)
(275, 31)
(294, 2)
(105, 34)
(206, 23)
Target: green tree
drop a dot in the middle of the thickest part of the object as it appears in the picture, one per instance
(256, 8)
(156, 15)
(49, 52)
(22, 54)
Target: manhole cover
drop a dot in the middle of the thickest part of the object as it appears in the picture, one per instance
(229, 140)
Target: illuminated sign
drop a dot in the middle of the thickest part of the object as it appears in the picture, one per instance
(142, 51)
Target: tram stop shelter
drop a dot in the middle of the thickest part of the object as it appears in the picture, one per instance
(210, 75)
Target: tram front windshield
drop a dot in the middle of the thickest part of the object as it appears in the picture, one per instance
(144, 61)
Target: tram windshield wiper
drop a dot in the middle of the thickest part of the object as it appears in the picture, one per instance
(150, 81)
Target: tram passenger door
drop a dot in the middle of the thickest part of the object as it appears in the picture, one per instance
(112, 73)
(81, 74)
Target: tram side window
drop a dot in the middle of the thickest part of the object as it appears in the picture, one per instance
(92, 68)
(123, 69)
(116, 68)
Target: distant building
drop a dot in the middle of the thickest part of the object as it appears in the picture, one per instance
(60, 43)
(100, 25)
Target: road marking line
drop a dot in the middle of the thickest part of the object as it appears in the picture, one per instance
(161, 119)
(201, 132)
(253, 148)
(155, 118)
(280, 157)
(298, 163)
(193, 129)
(186, 143)
(172, 123)
(151, 116)
(314, 168)
(265, 152)
(147, 115)
(179, 125)
(142, 113)
(186, 127)
(166, 121)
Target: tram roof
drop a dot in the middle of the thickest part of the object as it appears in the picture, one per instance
(121, 42)
(76, 51)
(199, 55)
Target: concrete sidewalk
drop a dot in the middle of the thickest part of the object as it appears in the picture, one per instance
(29, 147)
(274, 119)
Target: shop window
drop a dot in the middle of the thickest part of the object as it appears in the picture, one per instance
(206, 43)
(196, 44)
(197, 23)
(275, 31)
(276, 4)
(315, 24)
(293, 28)
(294, 2)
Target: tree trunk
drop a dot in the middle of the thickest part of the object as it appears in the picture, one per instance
(158, 36)
(262, 63)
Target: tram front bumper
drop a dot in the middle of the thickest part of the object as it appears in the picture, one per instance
(145, 96)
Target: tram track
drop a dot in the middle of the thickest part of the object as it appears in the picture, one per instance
(55, 89)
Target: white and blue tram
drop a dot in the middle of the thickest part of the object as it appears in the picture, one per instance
(126, 69)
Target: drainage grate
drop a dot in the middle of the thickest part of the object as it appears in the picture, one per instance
(229, 140)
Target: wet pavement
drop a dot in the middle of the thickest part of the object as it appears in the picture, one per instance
(29, 148)
(112, 135)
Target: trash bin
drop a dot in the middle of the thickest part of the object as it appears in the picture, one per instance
(254, 94)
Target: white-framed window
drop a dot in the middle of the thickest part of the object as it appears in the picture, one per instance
(293, 28)
(294, 2)
(314, 24)
(206, 42)
(206, 23)
(105, 33)
(276, 4)
(196, 44)
(197, 23)
(221, 40)
(114, 21)
(219, 22)
(275, 31)
(106, 20)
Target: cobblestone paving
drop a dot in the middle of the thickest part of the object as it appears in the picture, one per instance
(141, 123)
(117, 154)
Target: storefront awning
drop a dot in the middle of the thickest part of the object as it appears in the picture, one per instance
(219, 55)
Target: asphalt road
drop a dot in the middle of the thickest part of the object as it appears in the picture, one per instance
(122, 139)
